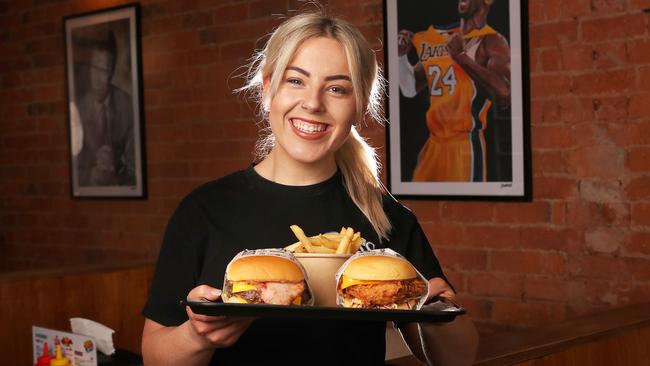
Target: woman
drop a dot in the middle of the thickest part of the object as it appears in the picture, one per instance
(316, 78)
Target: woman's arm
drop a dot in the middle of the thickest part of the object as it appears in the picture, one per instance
(193, 342)
(442, 344)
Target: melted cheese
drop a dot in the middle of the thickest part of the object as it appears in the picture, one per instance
(347, 282)
(242, 286)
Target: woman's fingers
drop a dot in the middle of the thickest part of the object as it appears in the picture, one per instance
(439, 287)
(204, 292)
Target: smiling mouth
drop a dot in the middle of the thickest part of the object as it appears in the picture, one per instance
(308, 127)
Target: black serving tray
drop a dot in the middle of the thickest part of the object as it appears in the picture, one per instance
(439, 311)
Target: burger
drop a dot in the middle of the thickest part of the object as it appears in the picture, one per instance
(380, 282)
(257, 279)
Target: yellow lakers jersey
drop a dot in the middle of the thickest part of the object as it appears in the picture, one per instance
(456, 106)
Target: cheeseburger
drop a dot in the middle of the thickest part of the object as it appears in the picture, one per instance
(381, 282)
(265, 279)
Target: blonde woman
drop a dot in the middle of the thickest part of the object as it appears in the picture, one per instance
(315, 80)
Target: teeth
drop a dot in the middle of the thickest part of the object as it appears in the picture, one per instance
(308, 127)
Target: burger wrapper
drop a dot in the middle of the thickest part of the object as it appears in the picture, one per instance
(273, 252)
(378, 252)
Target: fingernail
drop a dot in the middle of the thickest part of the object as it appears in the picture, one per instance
(215, 292)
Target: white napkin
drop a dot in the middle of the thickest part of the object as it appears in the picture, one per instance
(103, 335)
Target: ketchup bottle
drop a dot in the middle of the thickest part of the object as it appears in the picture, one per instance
(44, 359)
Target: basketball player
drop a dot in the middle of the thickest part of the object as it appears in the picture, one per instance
(465, 68)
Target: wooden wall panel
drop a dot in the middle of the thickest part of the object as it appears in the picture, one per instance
(111, 296)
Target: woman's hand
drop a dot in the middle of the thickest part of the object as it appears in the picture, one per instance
(214, 331)
(439, 287)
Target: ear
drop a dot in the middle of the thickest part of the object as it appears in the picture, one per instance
(266, 83)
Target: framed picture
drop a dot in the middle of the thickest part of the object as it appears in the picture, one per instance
(459, 107)
(104, 88)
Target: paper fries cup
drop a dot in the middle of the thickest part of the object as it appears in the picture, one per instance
(321, 271)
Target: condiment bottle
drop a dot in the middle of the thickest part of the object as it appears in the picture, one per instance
(59, 360)
(44, 359)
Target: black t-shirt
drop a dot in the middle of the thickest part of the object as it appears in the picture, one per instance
(246, 211)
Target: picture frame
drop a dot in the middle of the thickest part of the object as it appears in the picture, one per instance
(453, 132)
(105, 103)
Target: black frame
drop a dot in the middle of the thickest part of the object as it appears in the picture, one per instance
(401, 157)
(83, 33)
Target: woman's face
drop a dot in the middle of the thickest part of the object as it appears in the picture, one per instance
(314, 107)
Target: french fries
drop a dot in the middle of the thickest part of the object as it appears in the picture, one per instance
(344, 242)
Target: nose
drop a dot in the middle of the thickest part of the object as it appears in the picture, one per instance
(312, 101)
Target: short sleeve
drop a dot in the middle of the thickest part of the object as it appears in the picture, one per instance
(408, 239)
(177, 267)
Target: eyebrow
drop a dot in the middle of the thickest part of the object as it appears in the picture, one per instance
(328, 78)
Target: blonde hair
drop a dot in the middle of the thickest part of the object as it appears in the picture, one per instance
(356, 159)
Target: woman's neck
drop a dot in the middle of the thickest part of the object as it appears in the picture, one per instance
(294, 173)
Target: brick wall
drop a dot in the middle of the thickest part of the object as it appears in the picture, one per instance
(583, 243)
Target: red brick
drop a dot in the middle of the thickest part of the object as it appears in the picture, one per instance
(496, 284)
(444, 234)
(545, 288)
(550, 59)
(638, 51)
(608, 55)
(536, 12)
(639, 106)
(605, 240)
(630, 133)
(639, 268)
(639, 188)
(599, 267)
(462, 259)
(599, 30)
(558, 9)
(550, 239)
(551, 137)
(607, 6)
(231, 13)
(527, 313)
(597, 161)
(467, 211)
(601, 190)
(492, 236)
(577, 57)
(549, 161)
(639, 4)
(638, 159)
(576, 109)
(558, 213)
(530, 212)
(553, 34)
(554, 187)
(640, 214)
(638, 243)
(517, 262)
(603, 83)
(610, 108)
(643, 79)
(549, 85)
(551, 112)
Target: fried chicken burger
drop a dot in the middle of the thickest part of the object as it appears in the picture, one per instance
(265, 279)
(380, 282)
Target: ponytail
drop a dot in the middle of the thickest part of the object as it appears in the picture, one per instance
(360, 169)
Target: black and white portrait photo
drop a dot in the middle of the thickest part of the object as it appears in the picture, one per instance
(104, 91)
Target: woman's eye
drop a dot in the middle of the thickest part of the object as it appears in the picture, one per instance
(294, 81)
(338, 90)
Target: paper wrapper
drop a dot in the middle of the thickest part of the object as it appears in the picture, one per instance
(272, 252)
(379, 252)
